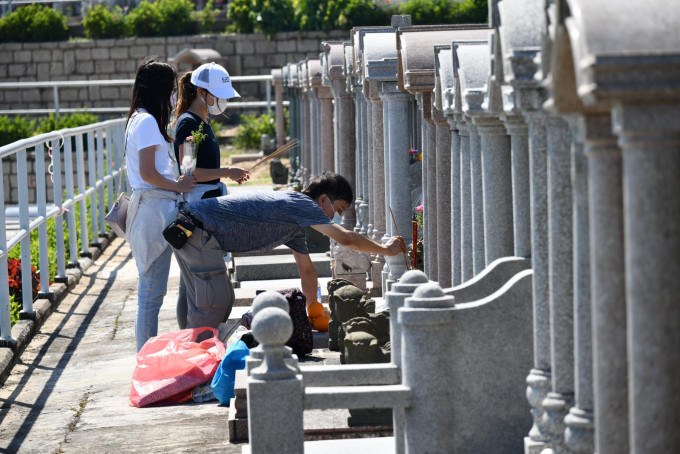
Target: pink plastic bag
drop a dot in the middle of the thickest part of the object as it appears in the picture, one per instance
(171, 365)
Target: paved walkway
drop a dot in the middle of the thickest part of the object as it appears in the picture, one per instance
(69, 391)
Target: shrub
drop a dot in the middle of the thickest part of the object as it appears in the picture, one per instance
(144, 20)
(251, 129)
(33, 23)
(176, 17)
(239, 16)
(13, 129)
(206, 17)
(100, 22)
(55, 122)
(14, 275)
(364, 13)
(428, 12)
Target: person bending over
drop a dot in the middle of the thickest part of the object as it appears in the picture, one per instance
(260, 221)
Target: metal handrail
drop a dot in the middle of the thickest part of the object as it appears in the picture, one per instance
(104, 144)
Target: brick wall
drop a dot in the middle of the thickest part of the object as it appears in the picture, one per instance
(118, 59)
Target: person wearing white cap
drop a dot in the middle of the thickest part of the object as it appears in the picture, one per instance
(202, 92)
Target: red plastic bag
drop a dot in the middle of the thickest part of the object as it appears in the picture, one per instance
(171, 365)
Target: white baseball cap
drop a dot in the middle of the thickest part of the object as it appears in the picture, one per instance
(215, 79)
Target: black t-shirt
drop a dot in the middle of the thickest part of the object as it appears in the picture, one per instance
(208, 154)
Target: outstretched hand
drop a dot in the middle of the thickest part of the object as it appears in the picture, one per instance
(238, 174)
(395, 245)
(186, 183)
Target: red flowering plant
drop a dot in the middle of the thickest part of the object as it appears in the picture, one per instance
(14, 275)
(418, 216)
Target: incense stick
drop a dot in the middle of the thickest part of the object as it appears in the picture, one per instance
(289, 146)
(397, 229)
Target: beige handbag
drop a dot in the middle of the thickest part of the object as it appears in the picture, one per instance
(117, 216)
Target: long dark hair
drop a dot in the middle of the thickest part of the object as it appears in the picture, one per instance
(186, 93)
(154, 83)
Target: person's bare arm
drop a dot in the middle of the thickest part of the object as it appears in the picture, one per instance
(308, 276)
(359, 242)
(237, 174)
(148, 172)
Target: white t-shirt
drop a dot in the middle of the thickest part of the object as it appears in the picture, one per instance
(142, 132)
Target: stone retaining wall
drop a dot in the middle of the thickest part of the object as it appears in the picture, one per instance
(248, 54)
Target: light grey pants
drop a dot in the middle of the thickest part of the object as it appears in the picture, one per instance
(209, 293)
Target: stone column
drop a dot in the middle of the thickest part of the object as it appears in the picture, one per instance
(305, 148)
(359, 189)
(521, 216)
(363, 156)
(378, 205)
(368, 147)
(557, 403)
(277, 77)
(344, 145)
(539, 377)
(426, 351)
(399, 197)
(325, 128)
(477, 201)
(443, 196)
(456, 213)
(430, 197)
(579, 435)
(497, 193)
(607, 270)
(314, 155)
(649, 136)
(467, 269)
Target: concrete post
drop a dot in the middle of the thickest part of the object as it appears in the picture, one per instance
(607, 270)
(395, 298)
(345, 163)
(368, 177)
(650, 139)
(274, 390)
(426, 322)
(456, 209)
(378, 176)
(359, 202)
(363, 156)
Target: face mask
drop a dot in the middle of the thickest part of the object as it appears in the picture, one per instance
(337, 219)
(218, 106)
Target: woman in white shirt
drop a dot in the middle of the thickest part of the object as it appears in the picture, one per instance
(156, 188)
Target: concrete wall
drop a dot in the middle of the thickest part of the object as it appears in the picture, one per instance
(118, 59)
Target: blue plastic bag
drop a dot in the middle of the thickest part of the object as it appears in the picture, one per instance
(223, 381)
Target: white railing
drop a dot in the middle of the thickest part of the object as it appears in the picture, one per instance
(104, 142)
(56, 85)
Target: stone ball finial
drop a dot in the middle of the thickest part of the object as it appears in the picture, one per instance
(429, 295)
(413, 277)
(272, 326)
(269, 299)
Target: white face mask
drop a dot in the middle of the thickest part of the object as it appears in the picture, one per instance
(218, 106)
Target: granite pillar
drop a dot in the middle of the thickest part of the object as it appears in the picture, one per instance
(560, 399)
(497, 193)
(521, 216)
(649, 137)
(359, 189)
(363, 156)
(430, 198)
(466, 243)
(477, 201)
(368, 147)
(608, 286)
(314, 155)
(579, 435)
(325, 129)
(443, 197)
(456, 212)
(399, 199)
(539, 377)
(344, 146)
(378, 205)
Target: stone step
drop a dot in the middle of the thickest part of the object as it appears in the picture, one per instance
(248, 289)
(279, 250)
(269, 267)
(382, 445)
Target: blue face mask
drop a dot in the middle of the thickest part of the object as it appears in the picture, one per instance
(337, 219)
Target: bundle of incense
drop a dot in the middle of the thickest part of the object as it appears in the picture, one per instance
(397, 229)
(287, 147)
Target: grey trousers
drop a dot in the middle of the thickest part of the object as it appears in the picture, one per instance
(209, 293)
